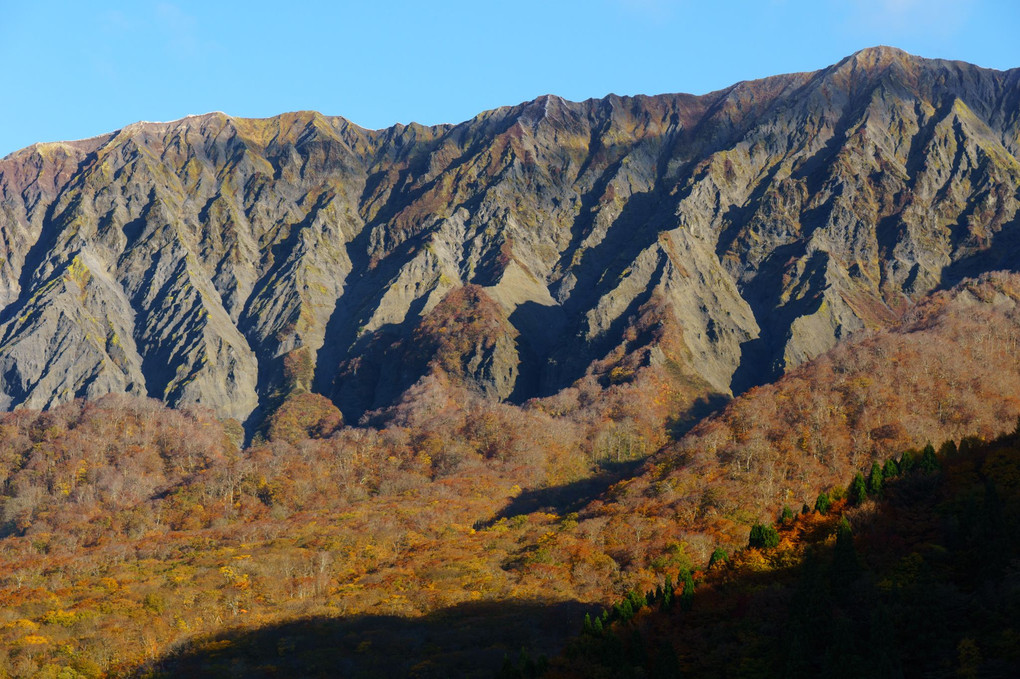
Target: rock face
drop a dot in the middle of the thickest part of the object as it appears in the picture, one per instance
(230, 262)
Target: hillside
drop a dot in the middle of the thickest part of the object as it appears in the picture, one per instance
(231, 263)
(129, 529)
(914, 577)
(917, 577)
(947, 371)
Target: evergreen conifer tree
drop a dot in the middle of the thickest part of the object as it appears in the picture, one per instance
(858, 492)
(929, 461)
(908, 460)
(687, 595)
(667, 594)
(763, 537)
(637, 601)
(875, 480)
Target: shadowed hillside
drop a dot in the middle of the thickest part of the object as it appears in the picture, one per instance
(469, 640)
(908, 571)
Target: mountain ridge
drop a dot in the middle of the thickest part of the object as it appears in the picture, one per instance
(864, 52)
(188, 260)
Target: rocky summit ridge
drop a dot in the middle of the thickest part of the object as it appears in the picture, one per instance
(230, 262)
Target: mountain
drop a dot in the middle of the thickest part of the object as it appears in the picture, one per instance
(235, 263)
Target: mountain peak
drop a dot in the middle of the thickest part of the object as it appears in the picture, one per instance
(877, 59)
(233, 260)
(881, 53)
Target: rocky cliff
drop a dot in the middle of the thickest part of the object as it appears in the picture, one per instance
(231, 262)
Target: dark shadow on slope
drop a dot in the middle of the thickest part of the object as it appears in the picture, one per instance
(569, 497)
(344, 337)
(467, 640)
(679, 424)
(540, 327)
(1003, 254)
(761, 359)
(386, 365)
(600, 270)
(757, 365)
(52, 227)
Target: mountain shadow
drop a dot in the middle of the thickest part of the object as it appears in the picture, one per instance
(467, 640)
(568, 497)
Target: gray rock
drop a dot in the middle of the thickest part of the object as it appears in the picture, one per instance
(196, 261)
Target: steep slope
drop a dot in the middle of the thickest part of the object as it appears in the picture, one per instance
(948, 370)
(189, 261)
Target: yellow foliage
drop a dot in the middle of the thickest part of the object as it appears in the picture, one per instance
(238, 580)
(33, 640)
(752, 559)
(23, 624)
(60, 617)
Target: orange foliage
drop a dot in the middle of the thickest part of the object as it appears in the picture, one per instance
(303, 416)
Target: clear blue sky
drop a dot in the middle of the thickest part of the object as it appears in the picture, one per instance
(81, 68)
